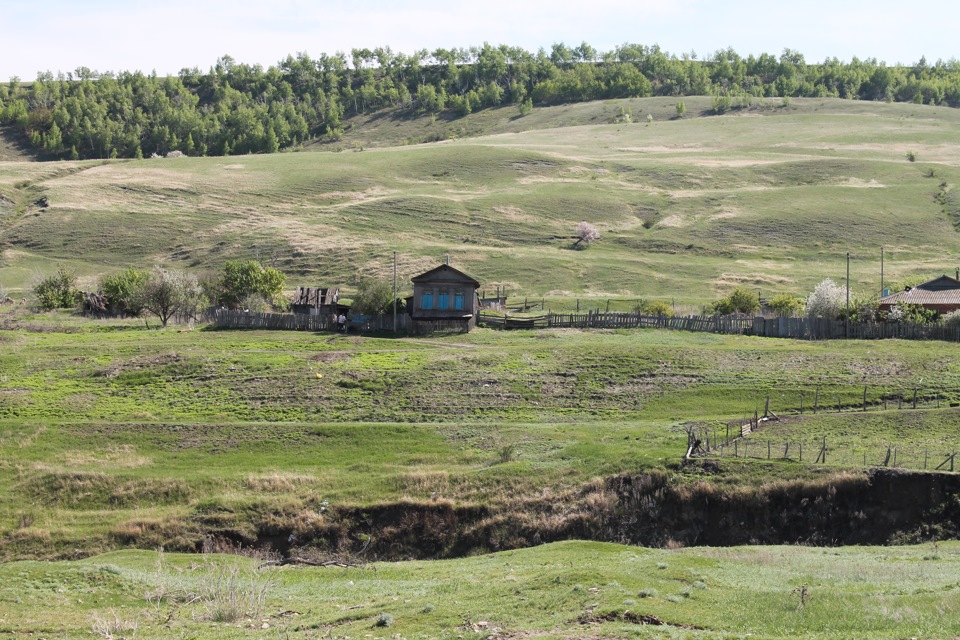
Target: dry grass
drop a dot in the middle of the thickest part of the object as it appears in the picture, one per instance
(277, 482)
(112, 625)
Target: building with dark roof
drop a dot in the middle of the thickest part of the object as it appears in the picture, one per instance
(940, 294)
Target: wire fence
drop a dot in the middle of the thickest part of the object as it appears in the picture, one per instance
(749, 438)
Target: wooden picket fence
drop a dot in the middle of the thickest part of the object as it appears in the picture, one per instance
(599, 320)
(231, 319)
(826, 329)
(799, 328)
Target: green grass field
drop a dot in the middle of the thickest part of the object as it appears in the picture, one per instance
(770, 198)
(112, 433)
(559, 591)
(119, 438)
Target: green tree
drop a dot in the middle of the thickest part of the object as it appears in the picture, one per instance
(58, 291)
(125, 291)
(374, 296)
(240, 279)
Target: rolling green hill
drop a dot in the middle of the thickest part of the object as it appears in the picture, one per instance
(769, 197)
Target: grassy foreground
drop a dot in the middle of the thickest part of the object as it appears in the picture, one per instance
(563, 590)
(113, 434)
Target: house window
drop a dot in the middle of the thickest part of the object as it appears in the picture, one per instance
(458, 299)
(443, 299)
(426, 299)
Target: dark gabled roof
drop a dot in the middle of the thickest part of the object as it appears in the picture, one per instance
(939, 291)
(316, 296)
(445, 272)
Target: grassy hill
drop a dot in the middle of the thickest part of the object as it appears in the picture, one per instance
(771, 198)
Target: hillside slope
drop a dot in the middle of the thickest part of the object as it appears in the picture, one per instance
(770, 197)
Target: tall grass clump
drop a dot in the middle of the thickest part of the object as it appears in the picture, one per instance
(230, 593)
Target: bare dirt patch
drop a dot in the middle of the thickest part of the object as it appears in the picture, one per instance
(862, 184)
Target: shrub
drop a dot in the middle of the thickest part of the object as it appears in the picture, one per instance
(657, 308)
(384, 620)
(124, 291)
(952, 320)
(911, 314)
(373, 296)
(229, 593)
(826, 300)
(740, 301)
(785, 305)
(58, 291)
(911, 156)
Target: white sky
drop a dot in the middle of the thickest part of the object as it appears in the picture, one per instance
(166, 36)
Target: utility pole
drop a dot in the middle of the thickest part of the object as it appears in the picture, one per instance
(846, 319)
(881, 271)
(394, 291)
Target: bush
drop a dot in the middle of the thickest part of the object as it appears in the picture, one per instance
(952, 320)
(785, 305)
(740, 301)
(384, 620)
(124, 291)
(58, 291)
(911, 314)
(658, 308)
(826, 301)
(373, 297)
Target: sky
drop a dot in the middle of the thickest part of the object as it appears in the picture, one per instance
(166, 36)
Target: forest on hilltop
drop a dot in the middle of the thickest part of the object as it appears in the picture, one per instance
(236, 108)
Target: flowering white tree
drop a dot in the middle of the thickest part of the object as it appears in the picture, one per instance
(169, 291)
(586, 233)
(826, 301)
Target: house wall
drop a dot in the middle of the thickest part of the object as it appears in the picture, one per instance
(441, 299)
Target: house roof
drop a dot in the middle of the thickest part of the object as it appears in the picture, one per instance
(445, 272)
(939, 291)
(316, 296)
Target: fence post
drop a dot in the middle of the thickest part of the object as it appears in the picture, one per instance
(864, 397)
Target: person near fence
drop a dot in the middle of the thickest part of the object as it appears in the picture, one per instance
(342, 323)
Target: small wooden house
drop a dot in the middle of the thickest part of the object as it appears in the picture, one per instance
(940, 294)
(316, 301)
(444, 296)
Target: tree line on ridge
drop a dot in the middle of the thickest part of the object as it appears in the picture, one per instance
(237, 108)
